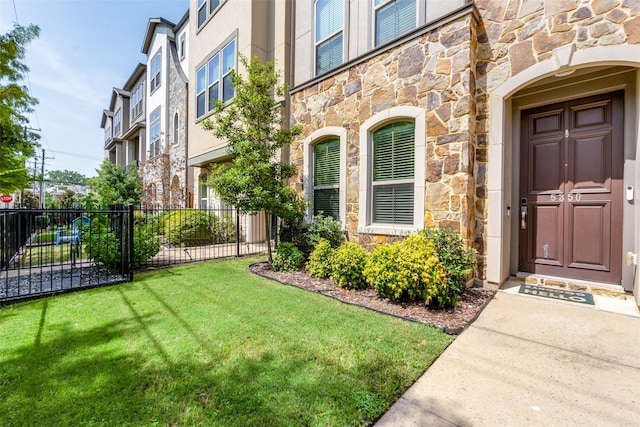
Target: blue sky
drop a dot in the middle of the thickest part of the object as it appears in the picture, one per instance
(85, 48)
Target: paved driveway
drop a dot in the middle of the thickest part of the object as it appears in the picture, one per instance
(531, 361)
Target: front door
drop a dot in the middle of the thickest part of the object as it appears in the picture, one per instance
(570, 213)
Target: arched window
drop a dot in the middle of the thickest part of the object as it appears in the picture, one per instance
(325, 172)
(392, 171)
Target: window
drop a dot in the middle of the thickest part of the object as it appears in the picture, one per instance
(393, 18)
(107, 133)
(204, 191)
(325, 172)
(117, 120)
(183, 45)
(175, 129)
(326, 178)
(155, 76)
(154, 133)
(204, 12)
(392, 172)
(329, 15)
(213, 79)
(136, 102)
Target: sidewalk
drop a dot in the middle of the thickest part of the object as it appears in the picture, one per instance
(531, 361)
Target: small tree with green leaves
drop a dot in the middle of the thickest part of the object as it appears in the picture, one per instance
(17, 141)
(255, 130)
(116, 184)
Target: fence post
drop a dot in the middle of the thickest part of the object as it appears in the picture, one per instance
(131, 248)
(237, 232)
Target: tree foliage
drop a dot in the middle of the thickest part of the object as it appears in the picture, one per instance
(65, 177)
(116, 184)
(17, 142)
(254, 128)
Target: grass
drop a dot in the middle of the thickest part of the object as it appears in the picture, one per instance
(47, 254)
(205, 344)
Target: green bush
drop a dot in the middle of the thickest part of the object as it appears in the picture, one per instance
(321, 260)
(348, 265)
(458, 261)
(288, 258)
(145, 244)
(193, 227)
(306, 235)
(409, 269)
(101, 245)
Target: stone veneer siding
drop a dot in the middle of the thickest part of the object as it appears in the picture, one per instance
(514, 35)
(171, 162)
(434, 71)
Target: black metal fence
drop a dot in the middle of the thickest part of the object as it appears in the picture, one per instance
(49, 251)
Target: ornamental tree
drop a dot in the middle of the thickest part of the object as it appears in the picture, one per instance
(255, 130)
(17, 142)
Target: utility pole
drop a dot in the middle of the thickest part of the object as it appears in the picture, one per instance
(42, 182)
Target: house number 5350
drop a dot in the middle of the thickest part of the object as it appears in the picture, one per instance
(570, 197)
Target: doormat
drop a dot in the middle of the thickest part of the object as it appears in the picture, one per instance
(559, 294)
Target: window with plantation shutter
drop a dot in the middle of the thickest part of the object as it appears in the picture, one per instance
(329, 21)
(393, 173)
(326, 178)
(393, 18)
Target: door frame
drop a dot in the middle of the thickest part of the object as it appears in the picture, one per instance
(498, 232)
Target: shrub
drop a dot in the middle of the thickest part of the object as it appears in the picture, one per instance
(103, 246)
(145, 244)
(193, 227)
(288, 258)
(321, 260)
(348, 266)
(458, 261)
(326, 227)
(406, 269)
(306, 235)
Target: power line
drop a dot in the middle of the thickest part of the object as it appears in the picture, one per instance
(35, 112)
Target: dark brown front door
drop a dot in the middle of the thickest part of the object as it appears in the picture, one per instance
(571, 190)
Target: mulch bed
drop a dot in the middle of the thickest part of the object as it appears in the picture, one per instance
(452, 321)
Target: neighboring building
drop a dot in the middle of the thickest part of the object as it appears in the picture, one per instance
(146, 123)
(165, 178)
(114, 121)
(221, 30)
(515, 123)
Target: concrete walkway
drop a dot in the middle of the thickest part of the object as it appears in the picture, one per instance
(531, 361)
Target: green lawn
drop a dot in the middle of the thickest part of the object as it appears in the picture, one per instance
(205, 344)
(46, 254)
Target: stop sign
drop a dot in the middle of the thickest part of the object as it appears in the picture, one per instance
(6, 198)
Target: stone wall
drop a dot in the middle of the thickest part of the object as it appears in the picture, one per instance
(435, 72)
(514, 35)
(167, 171)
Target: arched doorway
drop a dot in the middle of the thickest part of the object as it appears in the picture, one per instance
(514, 107)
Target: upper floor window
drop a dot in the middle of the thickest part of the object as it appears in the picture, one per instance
(204, 12)
(329, 17)
(183, 45)
(155, 75)
(107, 133)
(154, 133)
(326, 178)
(213, 79)
(393, 173)
(393, 18)
(136, 101)
(117, 120)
